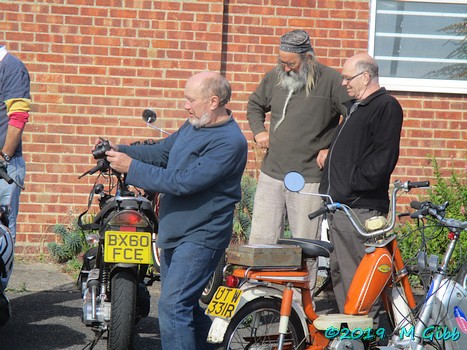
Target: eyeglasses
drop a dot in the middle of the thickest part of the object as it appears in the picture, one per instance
(349, 79)
(288, 64)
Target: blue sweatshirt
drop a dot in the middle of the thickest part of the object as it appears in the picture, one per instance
(198, 171)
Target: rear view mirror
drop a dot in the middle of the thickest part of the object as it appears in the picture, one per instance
(294, 181)
(149, 116)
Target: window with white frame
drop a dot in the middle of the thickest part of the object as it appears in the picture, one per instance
(420, 45)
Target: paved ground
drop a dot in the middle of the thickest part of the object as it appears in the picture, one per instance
(46, 307)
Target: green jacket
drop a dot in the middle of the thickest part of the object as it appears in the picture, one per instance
(308, 127)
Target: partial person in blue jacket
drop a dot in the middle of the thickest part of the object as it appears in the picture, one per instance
(15, 103)
(198, 169)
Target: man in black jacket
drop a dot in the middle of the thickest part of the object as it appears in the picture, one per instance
(359, 164)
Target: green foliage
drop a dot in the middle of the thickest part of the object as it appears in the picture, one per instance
(72, 242)
(453, 190)
(244, 212)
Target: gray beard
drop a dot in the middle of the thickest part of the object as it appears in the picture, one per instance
(198, 123)
(292, 81)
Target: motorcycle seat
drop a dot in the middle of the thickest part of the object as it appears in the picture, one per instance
(311, 248)
(351, 322)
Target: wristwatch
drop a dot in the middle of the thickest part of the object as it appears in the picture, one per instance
(5, 156)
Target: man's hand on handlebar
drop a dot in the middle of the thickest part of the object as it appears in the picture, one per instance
(120, 162)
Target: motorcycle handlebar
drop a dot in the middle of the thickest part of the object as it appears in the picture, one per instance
(424, 209)
(319, 212)
(4, 175)
(102, 164)
(398, 186)
(417, 184)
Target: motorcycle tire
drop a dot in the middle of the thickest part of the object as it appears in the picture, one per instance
(264, 314)
(157, 259)
(123, 311)
(214, 282)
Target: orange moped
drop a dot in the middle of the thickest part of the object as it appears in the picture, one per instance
(271, 307)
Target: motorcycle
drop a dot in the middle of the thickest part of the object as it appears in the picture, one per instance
(123, 261)
(271, 307)
(6, 250)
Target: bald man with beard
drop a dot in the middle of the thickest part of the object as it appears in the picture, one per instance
(304, 100)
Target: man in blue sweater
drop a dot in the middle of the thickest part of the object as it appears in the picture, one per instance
(198, 170)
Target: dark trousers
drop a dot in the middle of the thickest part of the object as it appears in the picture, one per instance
(349, 250)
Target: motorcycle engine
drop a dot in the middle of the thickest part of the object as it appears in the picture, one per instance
(95, 310)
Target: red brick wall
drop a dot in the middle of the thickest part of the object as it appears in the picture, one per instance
(96, 64)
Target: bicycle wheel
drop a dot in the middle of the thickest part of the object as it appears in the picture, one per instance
(256, 326)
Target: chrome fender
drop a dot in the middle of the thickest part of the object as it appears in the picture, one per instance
(251, 292)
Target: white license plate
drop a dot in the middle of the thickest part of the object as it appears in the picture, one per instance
(224, 302)
(127, 247)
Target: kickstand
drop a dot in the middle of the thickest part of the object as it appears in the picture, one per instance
(93, 343)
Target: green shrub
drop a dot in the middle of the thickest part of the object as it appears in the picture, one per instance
(72, 242)
(453, 190)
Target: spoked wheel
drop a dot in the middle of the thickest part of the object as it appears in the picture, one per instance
(256, 326)
(123, 311)
(214, 282)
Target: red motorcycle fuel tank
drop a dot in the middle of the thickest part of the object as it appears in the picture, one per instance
(369, 281)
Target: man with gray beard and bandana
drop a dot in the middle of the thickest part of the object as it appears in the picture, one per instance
(305, 101)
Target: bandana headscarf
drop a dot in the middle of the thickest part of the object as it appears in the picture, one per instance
(296, 41)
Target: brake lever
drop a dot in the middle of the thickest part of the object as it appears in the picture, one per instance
(4, 175)
(102, 165)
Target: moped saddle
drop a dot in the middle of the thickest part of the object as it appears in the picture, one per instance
(351, 322)
(311, 248)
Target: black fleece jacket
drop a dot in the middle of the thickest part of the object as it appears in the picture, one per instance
(364, 153)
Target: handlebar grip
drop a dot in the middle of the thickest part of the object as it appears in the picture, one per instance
(418, 184)
(319, 212)
(415, 205)
(4, 175)
(422, 212)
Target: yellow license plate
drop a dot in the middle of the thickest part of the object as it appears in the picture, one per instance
(127, 247)
(224, 302)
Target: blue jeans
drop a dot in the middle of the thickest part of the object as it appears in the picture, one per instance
(9, 195)
(185, 271)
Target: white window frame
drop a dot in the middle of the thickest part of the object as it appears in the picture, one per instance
(412, 84)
